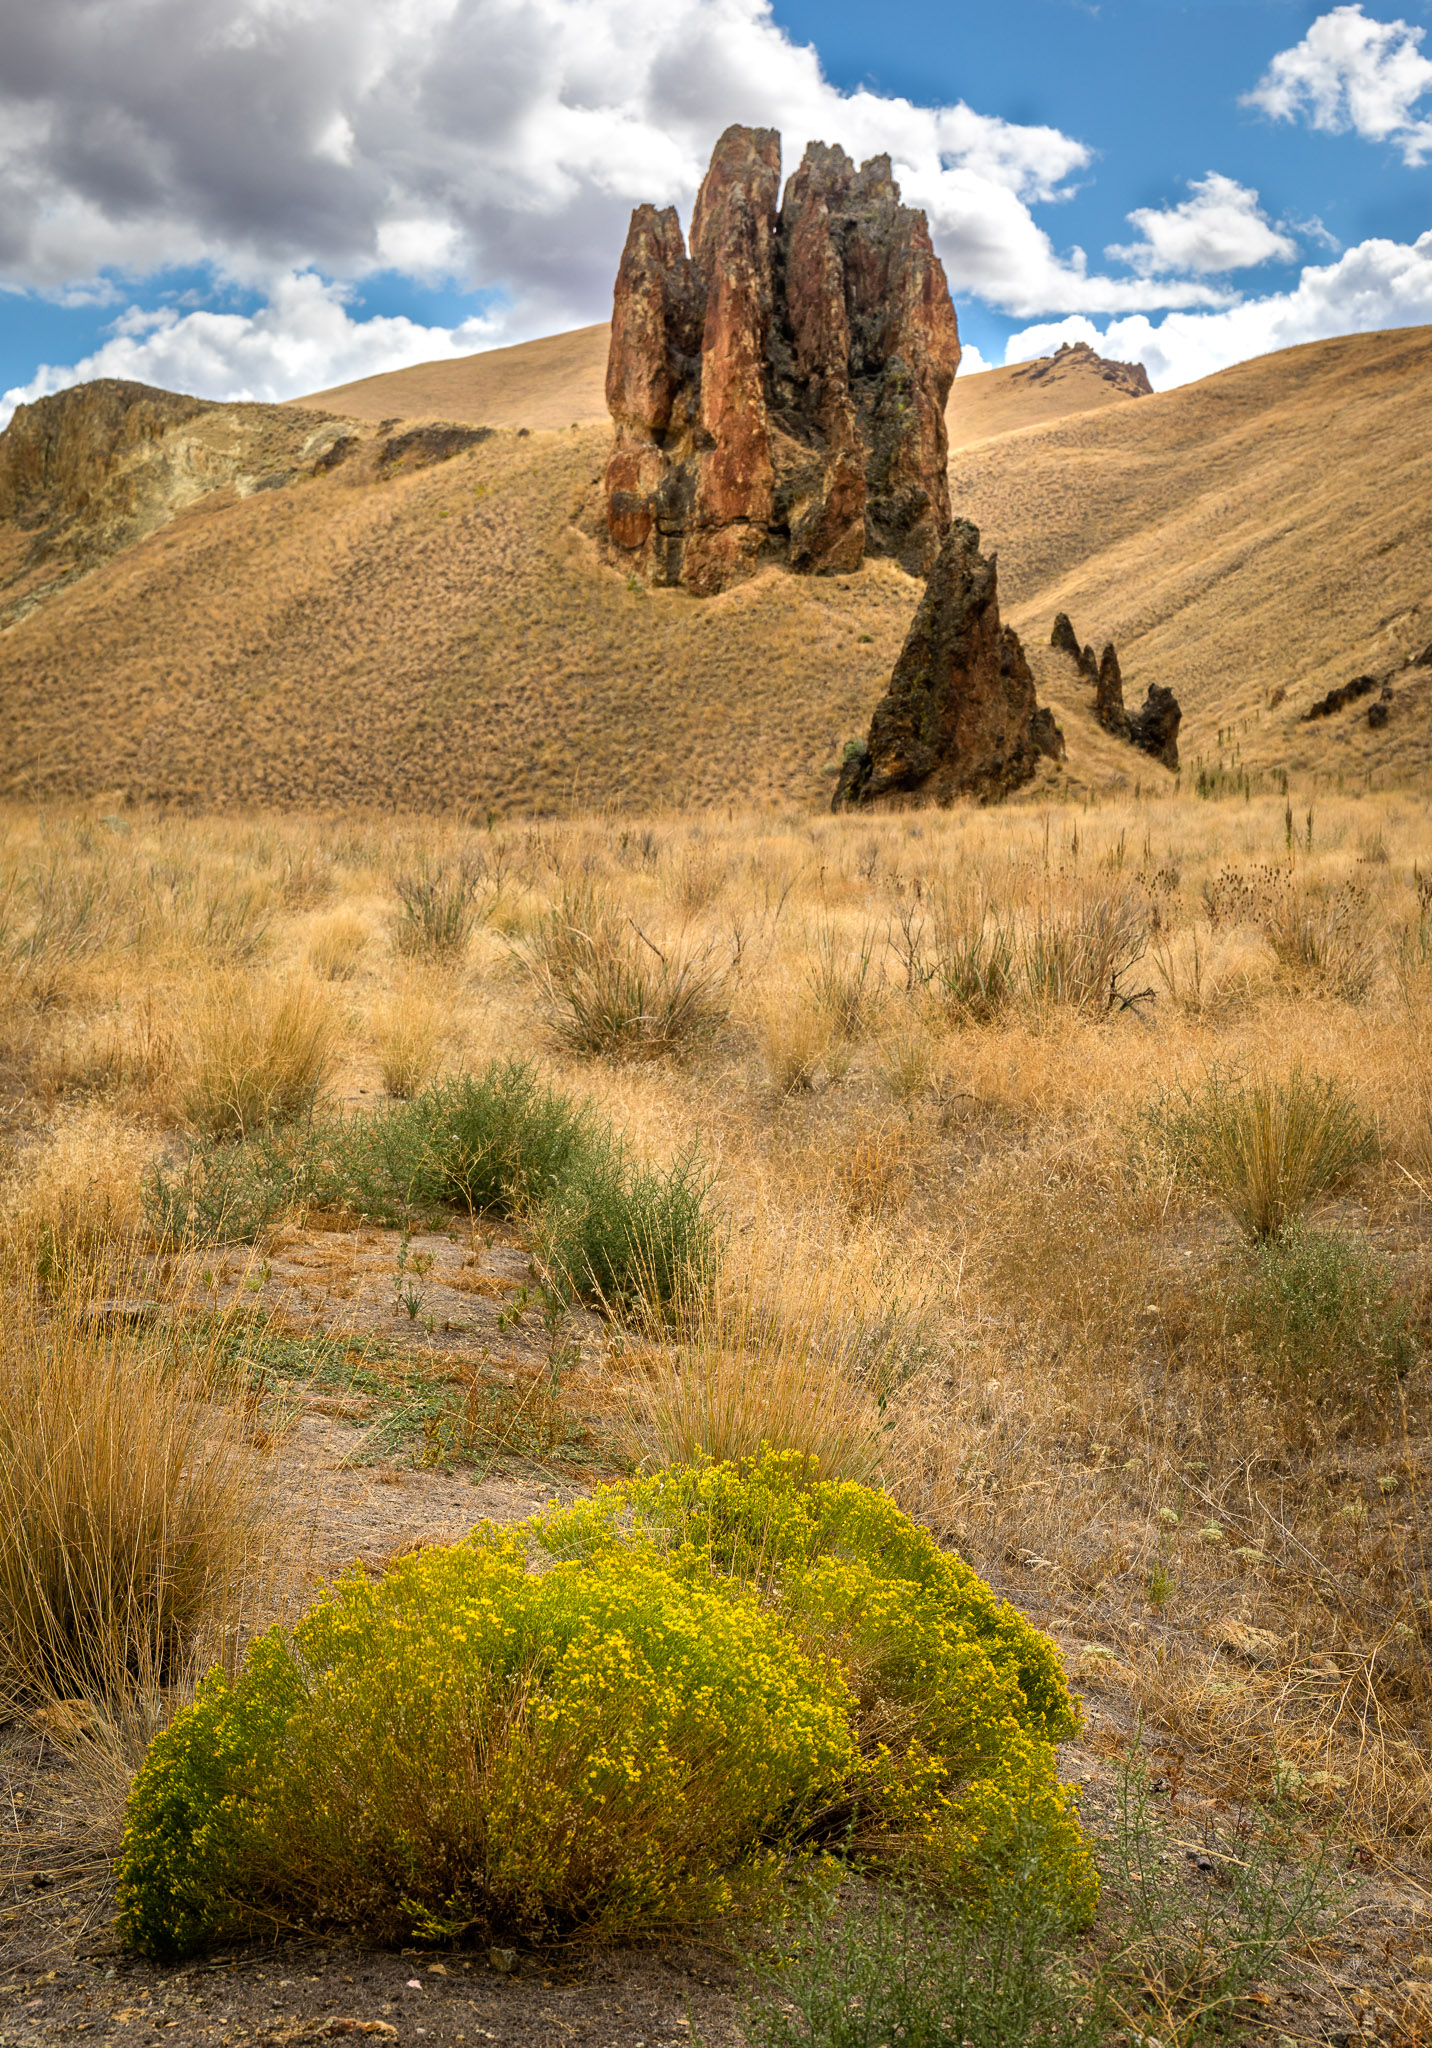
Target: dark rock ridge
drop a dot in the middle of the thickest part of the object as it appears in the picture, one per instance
(779, 390)
(1153, 728)
(1338, 700)
(959, 717)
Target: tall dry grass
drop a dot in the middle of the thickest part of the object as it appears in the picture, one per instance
(139, 1539)
(931, 1197)
(254, 1054)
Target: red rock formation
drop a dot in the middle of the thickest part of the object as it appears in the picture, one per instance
(959, 717)
(780, 394)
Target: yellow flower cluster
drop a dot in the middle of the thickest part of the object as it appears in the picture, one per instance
(704, 1675)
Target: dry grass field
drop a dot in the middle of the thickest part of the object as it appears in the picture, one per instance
(441, 637)
(1072, 1166)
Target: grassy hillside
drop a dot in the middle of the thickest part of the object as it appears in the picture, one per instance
(557, 382)
(401, 630)
(1262, 530)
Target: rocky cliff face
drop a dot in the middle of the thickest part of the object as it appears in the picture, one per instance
(97, 468)
(959, 717)
(779, 392)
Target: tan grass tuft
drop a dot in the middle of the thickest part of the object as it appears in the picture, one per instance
(255, 1055)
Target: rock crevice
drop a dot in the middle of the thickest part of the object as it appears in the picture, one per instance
(778, 390)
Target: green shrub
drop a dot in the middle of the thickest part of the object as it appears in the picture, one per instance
(500, 1142)
(627, 1236)
(472, 1748)
(714, 1673)
(1266, 1149)
(1325, 1313)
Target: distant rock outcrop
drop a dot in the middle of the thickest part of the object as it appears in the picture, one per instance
(1153, 728)
(1064, 638)
(959, 717)
(1131, 378)
(59, 454)
(1109, 695)
(1338, 700)
(779, 391)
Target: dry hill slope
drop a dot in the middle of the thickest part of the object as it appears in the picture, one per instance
(266, 604)
(1268, 528)
(557, 382)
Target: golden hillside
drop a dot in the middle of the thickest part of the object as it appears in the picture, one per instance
(1265, 529)
(274, 604)
(559, 381)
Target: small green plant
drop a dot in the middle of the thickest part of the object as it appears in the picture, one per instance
(1265, 1148)
(1158, 1586)
(897, 1969)
(844, 985)
(1323, 1312)
(1078, 954)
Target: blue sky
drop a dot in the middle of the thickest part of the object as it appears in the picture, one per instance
(260, 197)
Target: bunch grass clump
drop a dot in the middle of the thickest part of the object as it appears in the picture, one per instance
(1265, 1148)
(255, 1056)
(714, 1677)
(609, 990)
(131, 1518)
(440, 909)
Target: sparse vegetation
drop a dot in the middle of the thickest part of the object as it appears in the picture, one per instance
(1126, 1304)
(1265, 1148)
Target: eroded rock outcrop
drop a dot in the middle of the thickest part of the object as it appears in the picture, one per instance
(1079, 358)
(959, 717)
(1153, 728)
(1109, 695)
(779, 390)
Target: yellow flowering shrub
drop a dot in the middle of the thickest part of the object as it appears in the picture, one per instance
(619, 1718)
(471, 1748)
(959, 1698)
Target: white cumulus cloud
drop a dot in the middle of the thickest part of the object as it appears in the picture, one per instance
(1221, 227)
(301, 339)
(1377, 284)
(1351, 72)
(497, 144)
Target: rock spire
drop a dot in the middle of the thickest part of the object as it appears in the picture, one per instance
(959, 717)
(778, 390)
